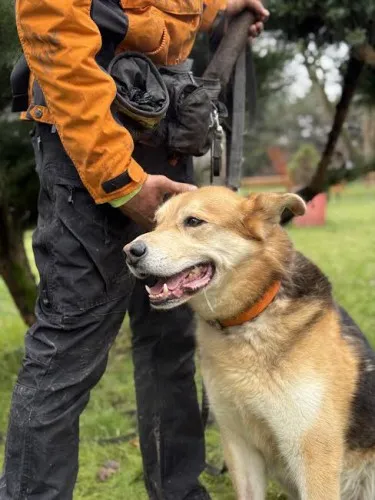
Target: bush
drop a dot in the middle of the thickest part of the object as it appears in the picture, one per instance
(302, 166)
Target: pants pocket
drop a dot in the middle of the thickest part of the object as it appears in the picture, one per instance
(86, 265)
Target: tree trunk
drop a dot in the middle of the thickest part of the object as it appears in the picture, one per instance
(15, 268)
(351, 78)
(330, 112)
(368, 130)
(366, 53)
(320, 179)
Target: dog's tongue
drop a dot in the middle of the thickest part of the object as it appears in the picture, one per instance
(174, 286)
(172, 283)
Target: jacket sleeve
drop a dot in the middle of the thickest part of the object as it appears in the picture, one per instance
(60, 42)
(211, 10)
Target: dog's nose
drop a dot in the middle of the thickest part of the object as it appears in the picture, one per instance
(135, 251)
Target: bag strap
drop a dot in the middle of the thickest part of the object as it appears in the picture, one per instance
(244, 96)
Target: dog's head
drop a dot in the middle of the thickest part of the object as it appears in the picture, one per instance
(213, 248)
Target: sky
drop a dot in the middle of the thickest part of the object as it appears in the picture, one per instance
(329, 62)
(296, 72)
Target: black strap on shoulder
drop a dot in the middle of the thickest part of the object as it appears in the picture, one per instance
(19, 81)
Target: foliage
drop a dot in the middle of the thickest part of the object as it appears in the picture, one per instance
(9, 49)
(303, 164)
(18, 181)
(366, 89)
(270, 58)
(17, 176)
(286, 123)
(328, 22)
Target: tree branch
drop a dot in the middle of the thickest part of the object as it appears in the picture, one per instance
(329, 107)
(366, 53)
(319, 180)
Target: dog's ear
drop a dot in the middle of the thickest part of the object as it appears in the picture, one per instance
(264, 209)
(274, 204)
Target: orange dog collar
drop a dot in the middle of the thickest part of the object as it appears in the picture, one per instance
(255, 309)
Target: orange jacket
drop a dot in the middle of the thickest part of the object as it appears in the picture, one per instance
(61, 40)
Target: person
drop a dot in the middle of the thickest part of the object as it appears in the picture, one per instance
(97, 192)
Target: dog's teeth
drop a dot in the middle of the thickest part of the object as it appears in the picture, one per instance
(165, 290)
(194, 271)
(148, 289)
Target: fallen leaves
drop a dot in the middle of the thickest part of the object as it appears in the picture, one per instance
(107, 470)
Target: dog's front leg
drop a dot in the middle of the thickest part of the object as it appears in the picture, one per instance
(317, 467)
(246, 466)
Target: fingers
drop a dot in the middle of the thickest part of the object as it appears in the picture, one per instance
(177, 187)
(236, 6)
(256, 29)
(262, 13)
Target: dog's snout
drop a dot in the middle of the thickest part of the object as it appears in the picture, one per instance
(135, 251)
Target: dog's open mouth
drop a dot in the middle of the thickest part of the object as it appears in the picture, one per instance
(179, 285)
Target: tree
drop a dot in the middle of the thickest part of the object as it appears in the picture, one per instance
(270, 59)
(327, 23)
(366, 102)
(303, 163)
(9, 50)
(18, 181)
(18, 197)
(312, 58)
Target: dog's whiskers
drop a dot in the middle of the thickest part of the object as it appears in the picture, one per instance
(208, 302)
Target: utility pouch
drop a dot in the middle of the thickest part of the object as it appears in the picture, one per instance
(164, 106)
(190, 114)
(141, 92)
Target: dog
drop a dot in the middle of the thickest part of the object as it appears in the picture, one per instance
(289, 376)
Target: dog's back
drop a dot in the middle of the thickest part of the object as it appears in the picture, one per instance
(358, 479)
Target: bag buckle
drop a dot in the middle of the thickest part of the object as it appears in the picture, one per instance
(217, 145)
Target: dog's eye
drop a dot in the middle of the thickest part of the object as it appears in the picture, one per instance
(193, 222)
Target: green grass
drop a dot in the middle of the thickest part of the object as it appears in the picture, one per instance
(343, 248)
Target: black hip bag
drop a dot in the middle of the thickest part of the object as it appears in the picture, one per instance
(165, 105)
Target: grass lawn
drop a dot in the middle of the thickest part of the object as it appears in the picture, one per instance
(343, 248)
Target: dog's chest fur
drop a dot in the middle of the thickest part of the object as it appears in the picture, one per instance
(271, 409)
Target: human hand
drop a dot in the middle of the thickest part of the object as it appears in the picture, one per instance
(142, 207)
(261, 13)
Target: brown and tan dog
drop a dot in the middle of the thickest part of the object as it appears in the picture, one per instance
(289, 376)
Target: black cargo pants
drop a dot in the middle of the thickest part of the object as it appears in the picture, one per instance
(85, 291)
